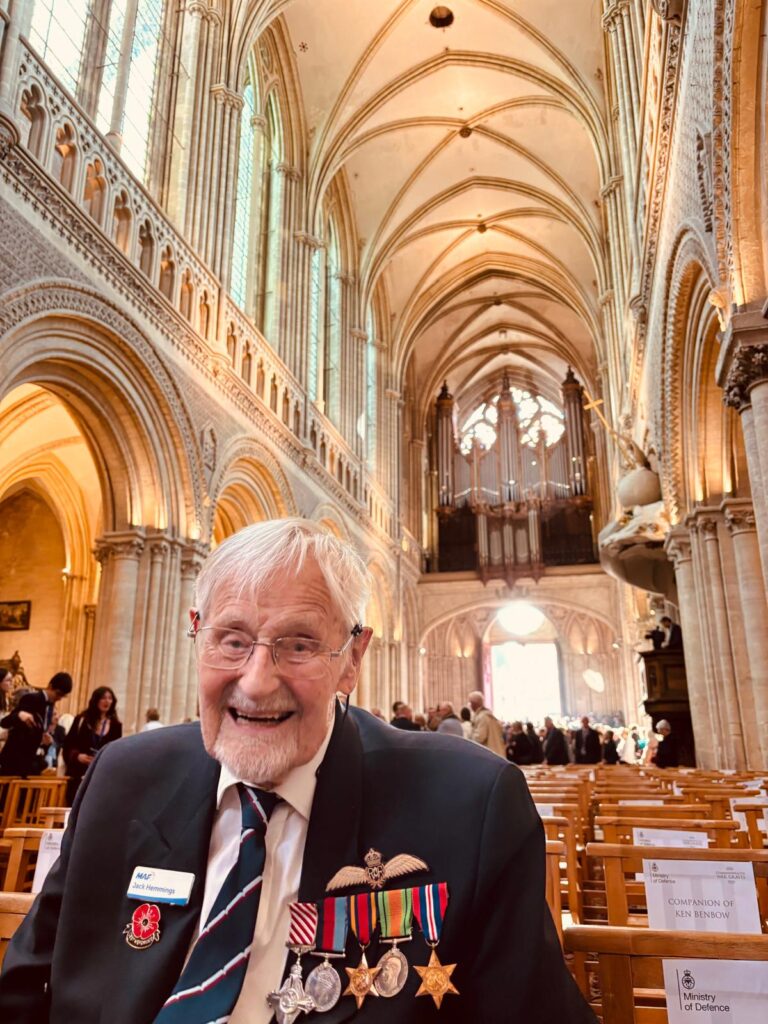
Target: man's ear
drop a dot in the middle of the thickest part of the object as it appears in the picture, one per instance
(351, 671)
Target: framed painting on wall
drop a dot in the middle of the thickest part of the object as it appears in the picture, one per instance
(14, 615)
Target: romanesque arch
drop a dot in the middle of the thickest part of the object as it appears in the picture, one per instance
(248, 487)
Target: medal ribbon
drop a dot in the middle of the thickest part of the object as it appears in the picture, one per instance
(303, 924)
(396, 913)
(429, 904)
(333, 925)
(362, 916)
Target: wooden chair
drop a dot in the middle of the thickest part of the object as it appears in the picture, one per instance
(26, 798)
(631, 979)
(22, 845)
(555, 851)
(672, 810)
(623, 862)
(754, 814)
(560, 829)
(14, 907)
(53, 817)
(720, 834)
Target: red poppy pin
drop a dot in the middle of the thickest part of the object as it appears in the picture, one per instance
(144, 928)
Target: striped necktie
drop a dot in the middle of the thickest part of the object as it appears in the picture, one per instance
(210, 984)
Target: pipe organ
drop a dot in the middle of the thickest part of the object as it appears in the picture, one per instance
(513, 484)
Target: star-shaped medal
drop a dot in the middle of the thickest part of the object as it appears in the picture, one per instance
(361, 981)
(436, 979)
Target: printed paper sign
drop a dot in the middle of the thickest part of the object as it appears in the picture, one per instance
(48, 854)
(701, 896)
(741, 817)
(668, 837)
(728, 991)
(641, 803)
(546, 810)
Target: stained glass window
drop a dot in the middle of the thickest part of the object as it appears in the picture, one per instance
(240, 244)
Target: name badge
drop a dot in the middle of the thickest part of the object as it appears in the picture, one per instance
(160, 886)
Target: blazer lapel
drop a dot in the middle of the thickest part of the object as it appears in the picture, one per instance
(177, 840)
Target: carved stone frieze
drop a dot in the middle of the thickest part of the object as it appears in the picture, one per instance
(721, 139)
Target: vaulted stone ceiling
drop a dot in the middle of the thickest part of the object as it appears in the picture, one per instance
(475, 155)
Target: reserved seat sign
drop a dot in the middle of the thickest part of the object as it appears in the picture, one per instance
(728, 991)
(701, 896)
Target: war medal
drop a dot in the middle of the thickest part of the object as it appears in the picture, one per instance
(429, 905)
(290, 1000)
(376, 871)
(362, 919)
(396, 922)
(323, 983)
(144, 927)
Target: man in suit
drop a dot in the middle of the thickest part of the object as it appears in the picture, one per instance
(31, 727)
(586, 744)
(277, 638)
(554, 744)
(674, 635)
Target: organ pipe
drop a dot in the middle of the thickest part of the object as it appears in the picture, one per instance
(509, 446)
(445, 446)
(573, 408)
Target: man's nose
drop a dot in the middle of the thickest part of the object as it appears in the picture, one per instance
(259, 675)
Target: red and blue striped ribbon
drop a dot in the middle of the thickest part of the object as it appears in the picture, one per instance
(429, 905)
(362, 916)
(333, 925)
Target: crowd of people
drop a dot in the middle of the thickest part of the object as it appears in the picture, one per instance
(525, 744)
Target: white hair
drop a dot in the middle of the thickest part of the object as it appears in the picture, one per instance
(257, 555)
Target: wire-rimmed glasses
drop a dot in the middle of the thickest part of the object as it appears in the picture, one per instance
(229, 649)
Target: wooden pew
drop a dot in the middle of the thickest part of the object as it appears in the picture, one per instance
(22, 845)
(26, 797)
(555, 851)
(721, 834)
(14, 906)
(559, 828)
(621, 860)
(629, 965)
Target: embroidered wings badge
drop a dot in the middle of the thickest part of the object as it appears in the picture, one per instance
(376, 871)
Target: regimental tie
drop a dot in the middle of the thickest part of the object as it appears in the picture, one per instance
(210, 983)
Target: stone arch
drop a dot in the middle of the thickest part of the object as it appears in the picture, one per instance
(329, 516)
(249, 486)
(688, 312)
(82, 349)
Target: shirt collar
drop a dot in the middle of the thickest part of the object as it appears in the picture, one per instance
(298, 786)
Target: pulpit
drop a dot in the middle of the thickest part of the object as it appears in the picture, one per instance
(666, 696)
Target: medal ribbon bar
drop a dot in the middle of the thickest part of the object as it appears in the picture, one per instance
(303, 925)
(362, 916)
(333, 925)
(395, 913)
(429, 905)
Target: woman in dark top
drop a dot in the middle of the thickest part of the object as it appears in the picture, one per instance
(519, 750)
(610, 754)
(91, 730)
(537, 754)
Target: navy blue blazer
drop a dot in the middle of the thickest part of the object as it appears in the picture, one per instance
(150, 799)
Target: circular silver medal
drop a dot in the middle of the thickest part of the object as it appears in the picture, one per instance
(324, 986)
(392, 974)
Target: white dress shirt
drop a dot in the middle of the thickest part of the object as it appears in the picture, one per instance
(285, 840)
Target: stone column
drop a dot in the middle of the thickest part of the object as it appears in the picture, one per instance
(742, 371)
(120, 95)
(181, 695)
(614, 20)
(116, 659)
(740, 521)
(147, 687)
(10, 56)
(703, 716)
(731, 724)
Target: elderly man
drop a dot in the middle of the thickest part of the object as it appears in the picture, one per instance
(449, 721)
(187, 848)
(486, 728)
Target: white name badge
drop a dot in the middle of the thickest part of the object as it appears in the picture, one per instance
(716, 990)
(701, 896)
(160, 886)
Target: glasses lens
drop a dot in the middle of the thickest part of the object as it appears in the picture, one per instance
(223, 648)
(297, 650)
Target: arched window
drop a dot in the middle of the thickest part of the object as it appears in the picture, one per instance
(121, 222)
(95, 190)
(271, 220)
(65, 157)
(371, 394)
(167, 273)
(317, 279)
(245, 369)
(146, 249)
(232, 344)
(185, 299)
(332, 353)
(57, 33)
(243, 201)
(34, 114)
(139, 109)
(204, 317)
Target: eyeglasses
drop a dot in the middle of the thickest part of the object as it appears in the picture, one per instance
(225, 648)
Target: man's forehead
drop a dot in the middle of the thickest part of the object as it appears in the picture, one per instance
(307, 590)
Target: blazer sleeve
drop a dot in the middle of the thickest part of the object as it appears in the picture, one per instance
(518, 955)
(27, 702)
(26, 969)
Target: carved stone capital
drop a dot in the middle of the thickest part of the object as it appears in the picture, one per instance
(9, 137)
(678, 546)
(311, 241)
(288, 171)
(669, 10)
(359, 334)
(119, 545)
(192, 558)
(748, 368)
(707, 527)
(740, 520)
(226, 97)
(158, 550)
(611, 186)
(614, 13)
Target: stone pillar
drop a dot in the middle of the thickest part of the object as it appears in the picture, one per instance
(10, 55)
(740, 521)
(742, 371)
(616, 24)
(703, 716)
(116, 660)
(181, 694)
(147, 685)
(120, 95)
(713, 590)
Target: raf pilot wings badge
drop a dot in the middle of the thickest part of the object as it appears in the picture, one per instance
(376, 871)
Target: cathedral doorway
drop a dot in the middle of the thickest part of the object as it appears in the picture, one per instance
(525, 672)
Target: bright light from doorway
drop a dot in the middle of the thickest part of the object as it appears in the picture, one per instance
(520, 618)
(526, 681)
